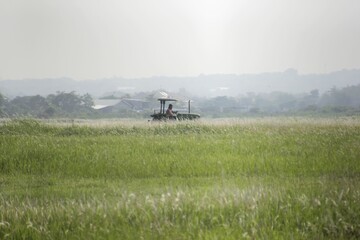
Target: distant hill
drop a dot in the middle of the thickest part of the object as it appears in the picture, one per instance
(203, 85)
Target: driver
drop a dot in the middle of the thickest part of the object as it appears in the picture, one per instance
(170, 113)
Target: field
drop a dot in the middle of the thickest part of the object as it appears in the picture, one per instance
(271, 178)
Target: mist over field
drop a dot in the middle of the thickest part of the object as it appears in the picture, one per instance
(185, 40)
(289, 81)
(209, 48)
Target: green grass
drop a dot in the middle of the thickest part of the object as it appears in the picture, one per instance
(239, 179)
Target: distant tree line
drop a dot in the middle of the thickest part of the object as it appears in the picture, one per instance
(345, 101)
(56, 105)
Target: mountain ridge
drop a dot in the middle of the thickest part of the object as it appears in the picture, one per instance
(201, 85)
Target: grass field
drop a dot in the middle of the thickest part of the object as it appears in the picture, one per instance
(273, 178)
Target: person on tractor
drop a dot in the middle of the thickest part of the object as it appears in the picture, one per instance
(170, 114)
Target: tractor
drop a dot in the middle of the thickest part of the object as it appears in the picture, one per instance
(161, 115)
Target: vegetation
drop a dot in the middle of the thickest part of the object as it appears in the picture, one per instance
(270, 178)
(60, 104)
(335, 102)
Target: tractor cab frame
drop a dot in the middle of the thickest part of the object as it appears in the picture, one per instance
(161, 115)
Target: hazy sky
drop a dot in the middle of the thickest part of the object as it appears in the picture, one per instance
(89, 39)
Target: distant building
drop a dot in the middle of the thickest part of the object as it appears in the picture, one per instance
(117, 105)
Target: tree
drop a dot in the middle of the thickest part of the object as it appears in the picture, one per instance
(87, 100)
(2, 104)
(349, 96)
(29, 106)
(71, 104)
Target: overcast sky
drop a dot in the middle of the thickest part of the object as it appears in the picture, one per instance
(90, 39)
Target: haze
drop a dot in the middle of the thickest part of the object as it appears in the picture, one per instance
(88, 39)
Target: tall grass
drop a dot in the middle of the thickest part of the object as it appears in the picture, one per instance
(181, 150)
(235, 179)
